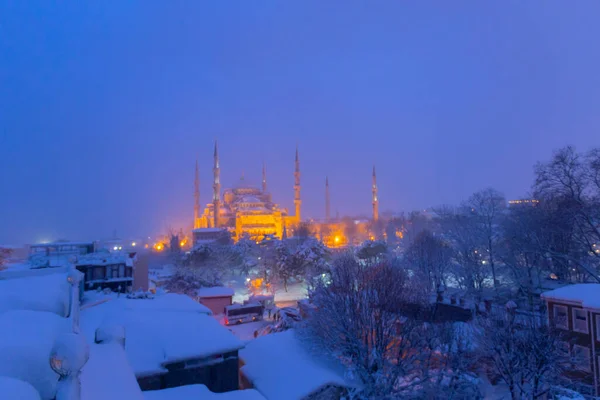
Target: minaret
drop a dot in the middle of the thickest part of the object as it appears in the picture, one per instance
(197, 198)
(264, 178)
(216, 187)
(327, 209)
(375, 198)
(297, 201)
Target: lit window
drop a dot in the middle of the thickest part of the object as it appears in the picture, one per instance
(581, 357)
(560, 317)
(580, 320)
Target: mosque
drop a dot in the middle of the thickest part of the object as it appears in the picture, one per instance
(245, 210)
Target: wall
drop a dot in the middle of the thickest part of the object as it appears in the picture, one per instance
(216, 304)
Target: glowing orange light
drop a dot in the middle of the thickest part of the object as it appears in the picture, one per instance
(337, 239)
(159, 247)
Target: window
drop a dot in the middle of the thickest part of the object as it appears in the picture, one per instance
(121, 270)
(580, 320)
(98, 273)
(560, 317)
(598, 328)
(581, 357)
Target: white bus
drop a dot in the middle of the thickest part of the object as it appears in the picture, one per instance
(240, 313)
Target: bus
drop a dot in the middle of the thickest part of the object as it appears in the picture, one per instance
(239, 313)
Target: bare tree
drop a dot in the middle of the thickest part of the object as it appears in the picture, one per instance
(459, 227)
(567, 187)
(430, 256)
(487, 207)
(522, 251)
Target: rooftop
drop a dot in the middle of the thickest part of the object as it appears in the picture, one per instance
(42, 290)
(159, 331)
(62, 243)
(585, 294)
(218, 291)
(108, 364)
(279, 368)
(26, 340)
(196, 392)
(18, 389)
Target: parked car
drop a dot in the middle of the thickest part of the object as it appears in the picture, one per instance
(288, 314)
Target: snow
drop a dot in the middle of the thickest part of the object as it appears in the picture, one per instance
(585, 294)
(246, 331)
(280, 368)
(197, 392)
(17, 389)
(107, 375)
(26, 341)
(39, 292)
(218, 291)
(165, 329)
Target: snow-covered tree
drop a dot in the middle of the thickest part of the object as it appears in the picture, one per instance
(210, 263)
(522, 351)
(249, 253)
(358, 319)
(372, 251)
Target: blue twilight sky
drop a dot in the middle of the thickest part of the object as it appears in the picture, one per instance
(106, 105)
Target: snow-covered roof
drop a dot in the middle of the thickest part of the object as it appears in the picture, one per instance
(108, 375)
(584, 294)
(168, 328)
(280, 368)
(36, 290)
(62, 243)
(105, 258)
(17, 389)
(218, 291)
(196, 392)
(26, 340)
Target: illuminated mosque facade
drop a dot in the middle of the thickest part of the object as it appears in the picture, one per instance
(245, 210)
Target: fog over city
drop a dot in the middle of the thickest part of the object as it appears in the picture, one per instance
(105, 107)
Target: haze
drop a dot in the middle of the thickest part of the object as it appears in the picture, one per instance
(106, 106)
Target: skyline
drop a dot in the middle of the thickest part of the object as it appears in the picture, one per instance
(105, 108)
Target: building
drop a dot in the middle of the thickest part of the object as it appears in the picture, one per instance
(523, 202)
(210, 235)
(575, 311)
(39, 313)
(245, 210)
(215, 298)
(57, 254)
(106, 270)
(170, 341)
